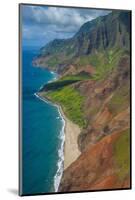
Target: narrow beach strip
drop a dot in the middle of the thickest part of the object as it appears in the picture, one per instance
(69, 150)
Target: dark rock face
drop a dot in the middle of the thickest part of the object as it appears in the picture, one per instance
(106, 32)
(103, 33)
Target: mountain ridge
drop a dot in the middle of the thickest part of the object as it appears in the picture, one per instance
(94, 91)
(100, 34)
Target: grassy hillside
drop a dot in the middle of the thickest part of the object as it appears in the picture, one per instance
(122, 154)
(120, 100)
(94, 38)
(71, 102)
(104, 62)
(97, 98)
(65, 81)
(62, 92)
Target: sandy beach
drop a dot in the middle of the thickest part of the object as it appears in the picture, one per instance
(71, 150)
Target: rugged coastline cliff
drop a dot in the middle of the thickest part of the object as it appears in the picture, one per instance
(94, 92)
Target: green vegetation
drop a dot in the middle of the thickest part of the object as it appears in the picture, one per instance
(120, 100)
(104, 62)
(94, 60)
(62, 92)
(122, 153)
(71, 102)
(70, 50)
(78, 77)
(66, 80)
(59, 84)
(107, 63)
(53, 61)
(98, 42)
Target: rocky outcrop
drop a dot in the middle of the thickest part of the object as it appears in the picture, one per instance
(97, 168)
(102, 33)
(107, 107)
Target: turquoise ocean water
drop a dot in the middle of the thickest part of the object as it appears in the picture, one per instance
(42, 132)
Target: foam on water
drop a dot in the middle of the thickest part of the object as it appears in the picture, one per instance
(60, 163)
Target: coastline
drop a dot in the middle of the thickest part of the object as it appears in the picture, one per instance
(69, 150)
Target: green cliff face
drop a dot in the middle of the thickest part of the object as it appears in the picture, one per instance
(94, 92)
(97, 36)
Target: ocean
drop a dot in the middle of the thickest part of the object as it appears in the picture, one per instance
(42, 132)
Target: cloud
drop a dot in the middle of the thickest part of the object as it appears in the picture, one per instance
(46, 23)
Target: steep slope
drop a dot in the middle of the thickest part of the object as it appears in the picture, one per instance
(100, 167)
(105, 100)
(98, 35)
(102, 110)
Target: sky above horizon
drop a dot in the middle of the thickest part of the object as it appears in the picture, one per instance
(41, 24)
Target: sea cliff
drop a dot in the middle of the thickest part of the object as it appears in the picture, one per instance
(94, 93)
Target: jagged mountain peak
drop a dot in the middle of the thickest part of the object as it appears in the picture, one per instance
(103, 33)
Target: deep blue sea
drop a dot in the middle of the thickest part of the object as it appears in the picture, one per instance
(42, 132)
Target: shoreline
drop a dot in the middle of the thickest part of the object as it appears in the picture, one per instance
(59, 172)
(69, 150)
(71, 132)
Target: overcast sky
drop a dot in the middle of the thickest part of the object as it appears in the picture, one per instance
(41, 24)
